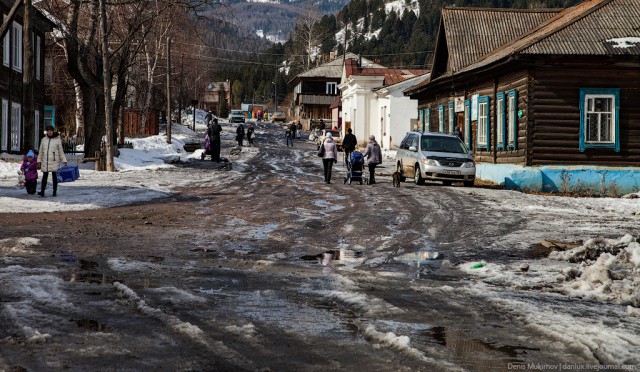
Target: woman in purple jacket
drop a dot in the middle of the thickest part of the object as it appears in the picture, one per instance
(374, 153)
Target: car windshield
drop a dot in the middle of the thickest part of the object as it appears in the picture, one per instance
(236, 112)
(443, 144)
(334, 133)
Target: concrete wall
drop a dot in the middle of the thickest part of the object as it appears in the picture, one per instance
(579, 180)
(403, 109)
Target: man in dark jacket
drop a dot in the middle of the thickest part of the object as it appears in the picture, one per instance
(349, 145)
(240, 134)
(214, 137)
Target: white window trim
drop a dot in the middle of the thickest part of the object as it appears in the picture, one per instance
(452, 115)
(499, 122)
(482, 123)
(16, 125)
(38, 59)
(5, 46)
(588, 97)
(5, 124)
(331, 88)
(511, 114)
(16, 34)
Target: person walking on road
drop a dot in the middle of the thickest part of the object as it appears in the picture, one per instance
(299, 128)
(240, 134)
(374, 153)
(51, 155)
(349, 145)
(250, 134)
(330, 156)
(288, 136)
(214, 140)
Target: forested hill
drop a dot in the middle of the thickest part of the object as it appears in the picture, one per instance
(405, 38)
(395, 34)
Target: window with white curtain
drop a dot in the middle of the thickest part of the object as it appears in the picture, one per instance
(16, 46)
(16, 127)
(5, 125)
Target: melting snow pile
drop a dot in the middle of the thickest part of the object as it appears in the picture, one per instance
(609, 271)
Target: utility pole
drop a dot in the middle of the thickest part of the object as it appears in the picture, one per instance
(168, 90)
(106, 72)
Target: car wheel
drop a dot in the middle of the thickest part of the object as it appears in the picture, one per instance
(468, 183)
(447, 183)
(399, 170)
(417, 176)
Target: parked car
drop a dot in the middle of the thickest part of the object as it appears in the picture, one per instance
(279, 116)
(236, 116)
(435, 157)
(334, 133)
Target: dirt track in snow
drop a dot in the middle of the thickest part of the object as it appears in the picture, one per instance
(230, 276)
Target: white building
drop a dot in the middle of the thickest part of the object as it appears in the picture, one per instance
(373, 102)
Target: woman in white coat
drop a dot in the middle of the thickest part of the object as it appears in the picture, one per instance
(330, 156)
(51, 154)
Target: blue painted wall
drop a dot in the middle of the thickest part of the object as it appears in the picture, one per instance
(582, 180)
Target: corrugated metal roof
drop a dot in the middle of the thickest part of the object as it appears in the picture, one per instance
(473, 32)
(391, 75)
(594, 34)
(333, 69)
(585, 29)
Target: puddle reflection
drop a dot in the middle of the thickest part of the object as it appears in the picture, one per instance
(344, 255)
(92, 325)
(488, 356)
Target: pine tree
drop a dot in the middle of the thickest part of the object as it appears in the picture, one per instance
(224, 105)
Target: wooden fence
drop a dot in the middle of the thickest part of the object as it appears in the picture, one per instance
(133, 121)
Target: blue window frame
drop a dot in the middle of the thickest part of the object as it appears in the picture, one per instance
(467, 122)
(49, 116)
(599, 118)
(501, 118)
(483, 137)
(440, 118)
(512, 119)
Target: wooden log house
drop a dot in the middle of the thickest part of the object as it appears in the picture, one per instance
(12, 130)
(536, 88)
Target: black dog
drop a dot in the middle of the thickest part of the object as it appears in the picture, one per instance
(396, 179)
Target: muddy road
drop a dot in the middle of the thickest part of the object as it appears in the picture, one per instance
(269, 268)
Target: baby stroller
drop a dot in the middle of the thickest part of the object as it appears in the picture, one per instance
(355, 166)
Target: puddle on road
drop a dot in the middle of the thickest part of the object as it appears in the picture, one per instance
(345, 256)
(420, 258)
(89, 277)
(487, 356)
(92, 325)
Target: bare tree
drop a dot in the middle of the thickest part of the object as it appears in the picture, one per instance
(307, 39)
(130, 22)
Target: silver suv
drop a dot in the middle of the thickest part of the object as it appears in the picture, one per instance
(435, 157)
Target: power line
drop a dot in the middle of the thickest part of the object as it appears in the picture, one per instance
(293, 55)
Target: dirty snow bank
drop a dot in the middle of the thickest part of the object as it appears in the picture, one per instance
(609, 271)
(605, 270)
